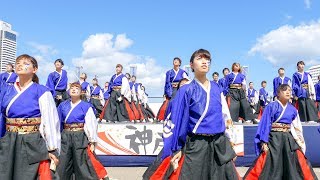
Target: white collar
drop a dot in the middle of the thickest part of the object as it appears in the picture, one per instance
(282, 104)
(74, 104)
(204, 88)
(22, 89)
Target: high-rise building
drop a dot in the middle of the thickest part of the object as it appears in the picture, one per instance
(8, 45)
(314, 72)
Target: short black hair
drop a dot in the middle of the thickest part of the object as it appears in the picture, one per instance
(300, 62)
(282, 87)
(127, 74)
(177, 58)
(250, 82)
(60, 61)
(280, 69)
(215, 73)
(200, 52)
(263, 82)
(133, 76)
(224, 69)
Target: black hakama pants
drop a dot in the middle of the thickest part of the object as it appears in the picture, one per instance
(97, 105)
(117, 111)
(239, 105)
(256, 108)
(21, 156)
(204, 158)
(307, 110)
(76, 158)
(284, 160)
(147, 111)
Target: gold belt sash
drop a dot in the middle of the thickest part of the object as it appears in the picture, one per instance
(235, 86)
(23, 125)
(280, 127)
(95, 97)
(74, 127)
(116, 88)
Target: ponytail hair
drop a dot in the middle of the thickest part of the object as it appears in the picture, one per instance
(35, 79)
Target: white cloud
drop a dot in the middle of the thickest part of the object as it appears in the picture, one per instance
(288, 17)
(101, 53)
(307, 3)
(42, 48)
(288, 44)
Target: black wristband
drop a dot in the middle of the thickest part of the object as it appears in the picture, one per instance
(54, 152)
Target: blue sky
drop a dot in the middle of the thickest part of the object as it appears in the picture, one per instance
(155, 32)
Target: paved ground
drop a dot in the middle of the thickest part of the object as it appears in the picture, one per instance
(135, 173)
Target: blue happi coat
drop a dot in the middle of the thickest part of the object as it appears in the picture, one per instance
(57, 81)
(194, 110)
(172, 77)
(272, 113)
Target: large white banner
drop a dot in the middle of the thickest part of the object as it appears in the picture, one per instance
(141, 139)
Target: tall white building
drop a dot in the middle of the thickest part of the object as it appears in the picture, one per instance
(314, 72)
(8, 45)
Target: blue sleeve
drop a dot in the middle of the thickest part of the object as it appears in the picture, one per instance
(274, 87)
(50, 85)
(2, 117)
(110, 85)
(226, 86)
(180, 117)
(221, 85)
(60, 115)
(264, 128)
(295, 86)
(168, 86)
(175, 125)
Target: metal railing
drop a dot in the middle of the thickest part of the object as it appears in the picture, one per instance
(155, 99)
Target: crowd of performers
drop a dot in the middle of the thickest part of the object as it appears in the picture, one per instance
(247, 104)
(198, 124)
(39, 140)
(121, 99)
(50, 132)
